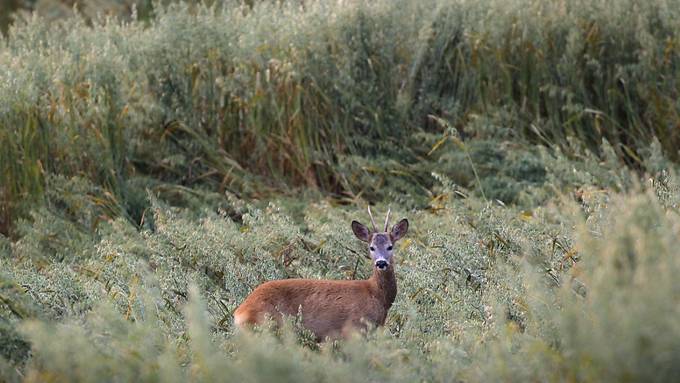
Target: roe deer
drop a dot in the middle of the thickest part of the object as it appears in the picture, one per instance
(332, 308)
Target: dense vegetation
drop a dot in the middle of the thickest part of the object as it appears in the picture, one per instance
(155, 167)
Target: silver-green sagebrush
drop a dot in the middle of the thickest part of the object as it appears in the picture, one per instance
(486, 293)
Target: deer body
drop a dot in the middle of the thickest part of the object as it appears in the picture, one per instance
(331, 308)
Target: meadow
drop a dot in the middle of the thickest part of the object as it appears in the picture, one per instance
(160, 160)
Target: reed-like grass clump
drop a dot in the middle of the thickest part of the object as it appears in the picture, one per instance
(267, 97)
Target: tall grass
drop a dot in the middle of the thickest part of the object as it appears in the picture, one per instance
(254, 99)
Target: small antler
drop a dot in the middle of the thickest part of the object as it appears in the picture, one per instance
(375, 229)
(387, 219)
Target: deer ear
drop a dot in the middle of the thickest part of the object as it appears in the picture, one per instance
(399, 230)
(360, 231)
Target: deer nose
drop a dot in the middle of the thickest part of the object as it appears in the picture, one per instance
(381, 264)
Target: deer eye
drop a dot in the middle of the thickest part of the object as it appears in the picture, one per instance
(372, 248)
(389, 248)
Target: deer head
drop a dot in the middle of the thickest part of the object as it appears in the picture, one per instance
(380, 243)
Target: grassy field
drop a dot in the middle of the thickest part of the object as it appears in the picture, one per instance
(156, 166)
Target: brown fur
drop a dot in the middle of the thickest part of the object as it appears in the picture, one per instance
(330, 309)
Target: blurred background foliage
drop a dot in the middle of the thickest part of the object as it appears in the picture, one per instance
(349, 99)
(52, 10)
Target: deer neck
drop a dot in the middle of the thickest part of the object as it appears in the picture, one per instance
(385, 284)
